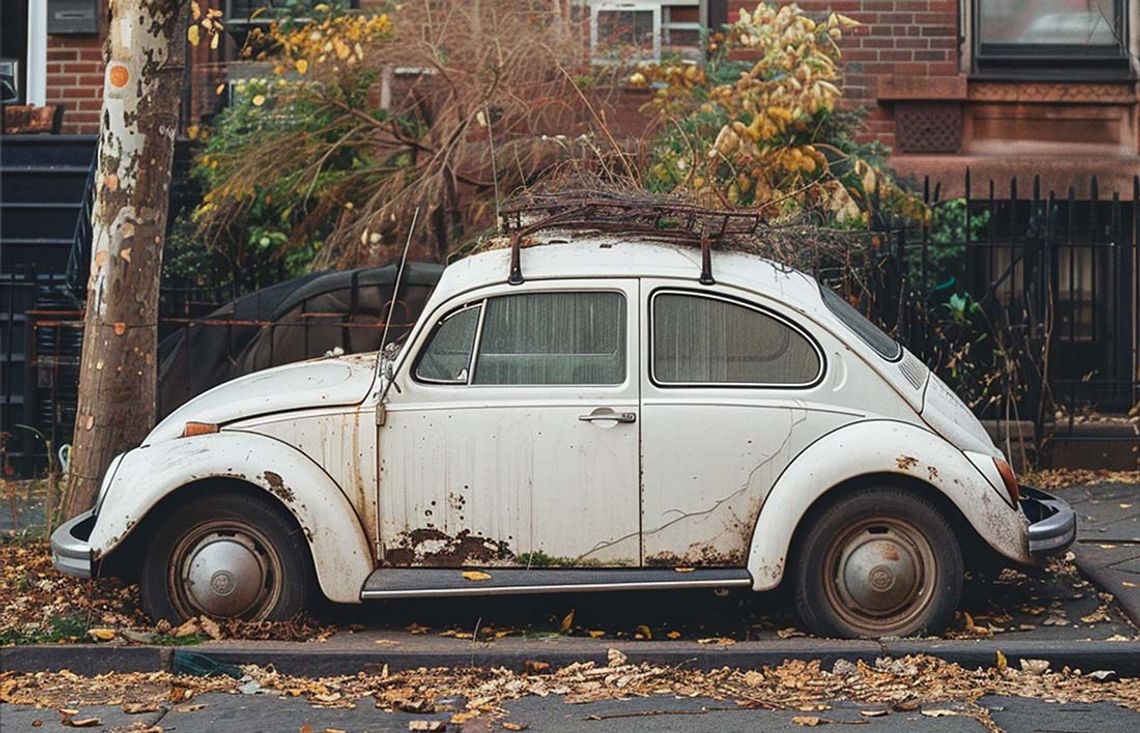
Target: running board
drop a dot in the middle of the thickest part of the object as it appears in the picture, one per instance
(428, 582)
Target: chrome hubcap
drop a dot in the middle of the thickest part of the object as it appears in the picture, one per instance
(880, 574)
(224, 574)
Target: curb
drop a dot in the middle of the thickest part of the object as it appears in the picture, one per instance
(89, 660)
(1110, 580)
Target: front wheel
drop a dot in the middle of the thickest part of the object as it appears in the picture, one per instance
(879, 562)
(226, 556)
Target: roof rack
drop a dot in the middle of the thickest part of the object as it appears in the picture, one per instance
(628, 214)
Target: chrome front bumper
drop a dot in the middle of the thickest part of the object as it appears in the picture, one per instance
(70, 552)
(1052, 522)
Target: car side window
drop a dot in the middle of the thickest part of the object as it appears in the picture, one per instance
(447, 357)
(562, 338)
(699, 339)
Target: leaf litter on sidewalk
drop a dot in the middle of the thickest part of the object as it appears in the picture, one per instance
(914, 683)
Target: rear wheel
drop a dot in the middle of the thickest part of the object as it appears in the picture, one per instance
(227, 556)
(879, 562)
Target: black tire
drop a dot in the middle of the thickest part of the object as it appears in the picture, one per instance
(879, 562)
(256, 532)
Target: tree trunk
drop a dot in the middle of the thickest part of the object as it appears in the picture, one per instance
(144, 55)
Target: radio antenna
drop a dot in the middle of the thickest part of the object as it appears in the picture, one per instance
(399, 278)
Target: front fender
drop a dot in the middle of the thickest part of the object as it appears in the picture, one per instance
(146, 475)
(879, 447)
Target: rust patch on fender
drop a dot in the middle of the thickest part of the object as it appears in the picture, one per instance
(906, 463)
(433, 548)
(278, 487)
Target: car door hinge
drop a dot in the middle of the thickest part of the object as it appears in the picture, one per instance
(381, 414)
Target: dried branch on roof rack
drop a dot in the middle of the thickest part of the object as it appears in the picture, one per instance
(851, 258)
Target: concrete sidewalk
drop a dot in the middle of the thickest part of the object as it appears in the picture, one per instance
(1108, 539)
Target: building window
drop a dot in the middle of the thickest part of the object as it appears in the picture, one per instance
(644, 31)
(1053, 39)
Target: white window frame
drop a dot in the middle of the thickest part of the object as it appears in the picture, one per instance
(611, 6)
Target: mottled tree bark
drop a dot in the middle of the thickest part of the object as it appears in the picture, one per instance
(144, 56)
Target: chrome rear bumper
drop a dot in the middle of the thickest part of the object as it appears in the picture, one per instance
(70, 552)
(1052, 522)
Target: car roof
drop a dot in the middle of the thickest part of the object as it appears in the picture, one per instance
(616, 256)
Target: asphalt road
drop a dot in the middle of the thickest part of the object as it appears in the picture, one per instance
(257, 713)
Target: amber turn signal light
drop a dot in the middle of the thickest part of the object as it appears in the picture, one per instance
(1009, 479)
(199, 428)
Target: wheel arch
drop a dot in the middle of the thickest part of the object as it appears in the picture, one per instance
(883, 452)
(149, 482)
(949, 511)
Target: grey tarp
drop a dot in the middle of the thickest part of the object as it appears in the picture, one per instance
(291, 321)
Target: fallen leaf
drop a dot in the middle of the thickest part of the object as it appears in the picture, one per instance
(101, 634)
(533, 666)
(808, 721)
(1035, 666)
(1002, 662)
(873, 713)
(210, 626)
(940, 713)
(508, 725)
(673, 635)
(415, 629)
(306, 728)
(191, 708)
(683, 570)
(789, 632)
(187, 629)
(644, 631)
(67, 718)
(596, 633)
(136, 708)
(615, 658)
(428, 725)
(567, 622)
(474, 575)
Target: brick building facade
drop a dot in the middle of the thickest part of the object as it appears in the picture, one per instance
(1000, 87)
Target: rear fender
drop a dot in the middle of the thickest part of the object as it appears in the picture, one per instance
(879, 447)
(147, 475)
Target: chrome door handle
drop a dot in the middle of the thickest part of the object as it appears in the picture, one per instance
(605, 413)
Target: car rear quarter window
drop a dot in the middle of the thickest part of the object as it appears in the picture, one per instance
(699, 339)
(855, 321)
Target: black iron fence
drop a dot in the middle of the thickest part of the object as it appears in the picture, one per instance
(1025, 300)
(206, 337)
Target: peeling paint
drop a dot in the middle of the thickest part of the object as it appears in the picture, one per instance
(278, 487)
(431, 547)
(905, 463)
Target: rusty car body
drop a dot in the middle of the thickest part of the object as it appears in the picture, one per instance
(613, 421)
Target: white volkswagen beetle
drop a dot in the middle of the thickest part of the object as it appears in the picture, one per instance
(613, 422)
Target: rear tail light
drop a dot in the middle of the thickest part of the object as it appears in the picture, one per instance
(1009, 478)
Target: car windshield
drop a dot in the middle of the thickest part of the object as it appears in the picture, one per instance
(871, 334)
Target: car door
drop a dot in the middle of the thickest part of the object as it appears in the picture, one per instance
(513, 437)
(732, 390)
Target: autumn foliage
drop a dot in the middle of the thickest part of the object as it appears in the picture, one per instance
(761, 124)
